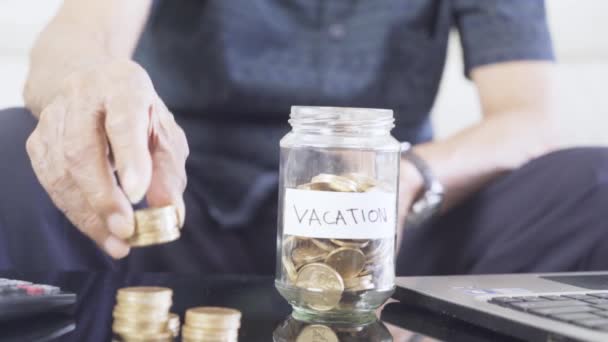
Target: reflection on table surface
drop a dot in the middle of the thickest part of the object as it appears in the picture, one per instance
(265, 314)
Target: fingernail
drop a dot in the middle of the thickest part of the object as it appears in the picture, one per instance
(115, 247)
(120, 226)
(130, 185)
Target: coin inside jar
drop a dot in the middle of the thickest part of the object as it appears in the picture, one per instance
(348, 262)
(290, 268)
(317, 333)
(336, 183)
(351, 243)
(306, 186)
(321, 286)
(363, 182)
(359, 283)
(322, 244)
(307, 254)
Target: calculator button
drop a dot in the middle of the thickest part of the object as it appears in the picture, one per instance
(49, 290)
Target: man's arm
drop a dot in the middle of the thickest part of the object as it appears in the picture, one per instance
(518, 103)
(84, 33)
(100, 116)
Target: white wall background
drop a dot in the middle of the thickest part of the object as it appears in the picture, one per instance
(577, 25)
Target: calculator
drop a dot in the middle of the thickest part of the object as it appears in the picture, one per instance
(19, 299)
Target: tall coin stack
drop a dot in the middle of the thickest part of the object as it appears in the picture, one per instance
(142, 314)
(211, 324)
(335, 273)
(155, 226)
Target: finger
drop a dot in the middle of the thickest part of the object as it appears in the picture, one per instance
(46, 152)
(82, 216)
(127, 123)
(169, 153)
(86, 153)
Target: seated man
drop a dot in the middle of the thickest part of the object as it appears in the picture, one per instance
(103, 85)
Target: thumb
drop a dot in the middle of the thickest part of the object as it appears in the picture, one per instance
(127, 125)
(169, 154)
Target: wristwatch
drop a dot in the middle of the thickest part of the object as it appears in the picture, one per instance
(429, 203)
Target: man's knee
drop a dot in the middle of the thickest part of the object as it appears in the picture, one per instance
(578, 162)
(559, 175)
(547, 216)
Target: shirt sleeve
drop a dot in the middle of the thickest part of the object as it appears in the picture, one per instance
(493, 31)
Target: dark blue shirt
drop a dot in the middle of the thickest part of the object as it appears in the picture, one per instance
(231, 69)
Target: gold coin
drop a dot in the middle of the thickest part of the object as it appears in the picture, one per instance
(364, 182)
(362, 287)
(155, 219)
(307, 254)
(359, 283)
(129, 327)
(320, 186)
(289, 241)
(350, 243)
(208, 334)
(143, 303)
(335, 183)
(381, 187)
(317, 333)
(349, 262)
(348, 283)
(326, 246)
(149, 239)
(144, 337)
(185, 339)
(321, 286)
(304, 186)
(213, 317)
(371, 269)
(290, 269)
(173, 324)
(151, 306)
(143, 294)
(140, 316)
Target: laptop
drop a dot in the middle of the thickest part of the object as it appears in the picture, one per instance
(531, 307)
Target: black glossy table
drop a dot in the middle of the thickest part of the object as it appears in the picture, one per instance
(266, 316)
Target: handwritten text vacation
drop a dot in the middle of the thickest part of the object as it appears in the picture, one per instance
(345, 217)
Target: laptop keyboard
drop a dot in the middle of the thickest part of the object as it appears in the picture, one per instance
(585, 310)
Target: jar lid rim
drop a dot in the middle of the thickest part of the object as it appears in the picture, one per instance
(340, 113)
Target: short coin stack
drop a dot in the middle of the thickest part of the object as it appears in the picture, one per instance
(324, 269)
(211, 324)
(142, 314)
(155, 226)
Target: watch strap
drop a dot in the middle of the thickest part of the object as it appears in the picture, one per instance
(429, 203)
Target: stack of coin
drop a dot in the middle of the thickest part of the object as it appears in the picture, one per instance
(348, 182)
(211, 324)
(142, 314)
(155, 226)
(324, 269)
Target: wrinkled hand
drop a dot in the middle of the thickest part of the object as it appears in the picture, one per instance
(105, 120)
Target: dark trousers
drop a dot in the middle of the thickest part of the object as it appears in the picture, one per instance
(550, 215)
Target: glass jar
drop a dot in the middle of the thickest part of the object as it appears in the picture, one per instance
(338, 188)
(292, 330)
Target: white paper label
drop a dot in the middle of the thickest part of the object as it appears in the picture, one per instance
(339, 215)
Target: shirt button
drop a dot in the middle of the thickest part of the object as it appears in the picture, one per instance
(336, 31)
